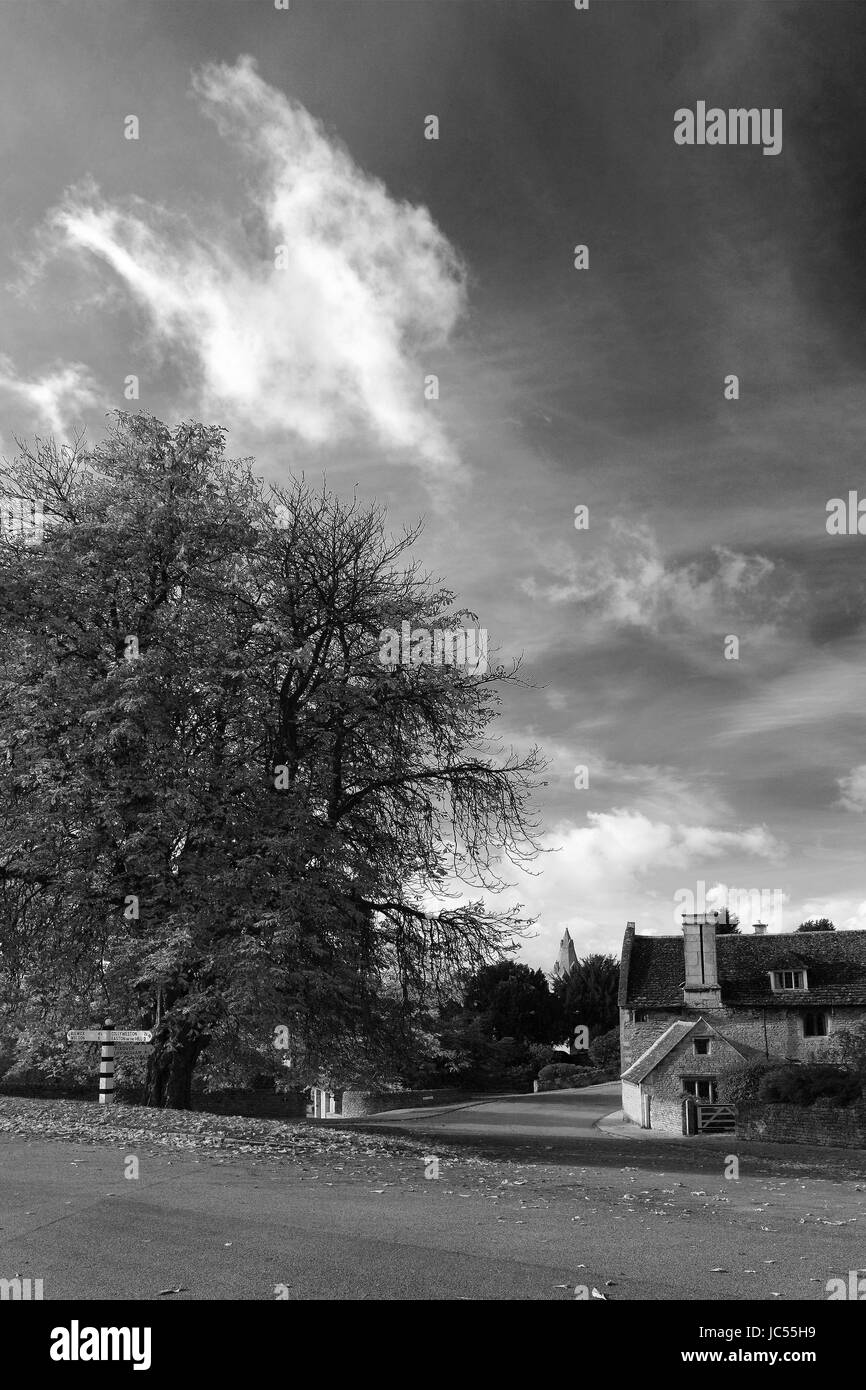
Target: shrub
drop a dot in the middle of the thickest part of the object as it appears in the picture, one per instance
(803, 1084)
(847, 1046)
(558, 1070)
(569, 1078)
(742, 1085)
(542, 1055)
(604, 1050)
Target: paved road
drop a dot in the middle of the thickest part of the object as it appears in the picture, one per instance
(587, 1126)
(367, 1225)
(555, 1114)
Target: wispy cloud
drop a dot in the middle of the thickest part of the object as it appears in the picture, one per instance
(853, 789)
(630, 582)
(316, 319)
(54, 400)
(822, 690)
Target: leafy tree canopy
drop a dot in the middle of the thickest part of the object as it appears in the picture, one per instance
(515, 1001)
(588, 995)
(221, 814)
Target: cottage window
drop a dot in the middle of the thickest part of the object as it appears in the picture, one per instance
(815, 1025)
(702, 1047)
(701, 1087)
(789, 979)
(639, 1016)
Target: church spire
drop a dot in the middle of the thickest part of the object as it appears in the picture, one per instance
(567, 958)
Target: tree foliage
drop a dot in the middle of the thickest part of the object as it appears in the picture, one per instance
(512, 1001)
(588, 994)
(220, 813)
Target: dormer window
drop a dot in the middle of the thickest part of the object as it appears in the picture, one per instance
(702, 1047)
(788, 979)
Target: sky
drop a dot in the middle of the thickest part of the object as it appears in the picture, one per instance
(282, 251)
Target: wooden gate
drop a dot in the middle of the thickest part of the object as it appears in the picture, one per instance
(715, 1119)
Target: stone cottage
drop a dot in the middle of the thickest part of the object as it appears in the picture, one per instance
(695, 1006)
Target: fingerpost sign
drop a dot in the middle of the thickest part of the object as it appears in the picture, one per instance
(108, 1036)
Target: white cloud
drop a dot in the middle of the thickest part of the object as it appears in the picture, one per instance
(853, 789)
(55, 400)
(629, 582)
(627, 844)
(335, 339)
(848, 914)
(617, 868)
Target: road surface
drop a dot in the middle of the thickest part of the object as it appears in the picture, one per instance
(635, 1220)
(552, 1114)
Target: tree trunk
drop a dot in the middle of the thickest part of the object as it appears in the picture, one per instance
(170, 1067)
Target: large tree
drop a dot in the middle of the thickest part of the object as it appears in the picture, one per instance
(512, 1001)
(226, 812)
(588, 994)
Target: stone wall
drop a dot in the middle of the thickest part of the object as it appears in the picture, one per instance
(666, 1115)
(265, 1105)
(255, 1104)
(635, 1038)
(357, 1103)
(666, 1082)
(833, 1126)
(43, 1090)
(778, 1032)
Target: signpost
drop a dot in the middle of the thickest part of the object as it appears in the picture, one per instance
(108, 1036)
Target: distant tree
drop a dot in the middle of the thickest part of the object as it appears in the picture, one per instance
(515, 1001)
(817, 924)
(605, 1049)
(588, 994)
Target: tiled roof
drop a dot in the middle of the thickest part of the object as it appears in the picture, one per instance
(788, 960)
(653, 969)
(659, 1050)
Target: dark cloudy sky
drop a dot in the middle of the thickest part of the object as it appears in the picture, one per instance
(559, 387)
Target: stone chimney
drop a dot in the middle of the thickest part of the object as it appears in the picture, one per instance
(701, 989)
(760, 928)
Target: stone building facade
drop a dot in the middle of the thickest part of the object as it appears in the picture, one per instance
(696, 1006)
